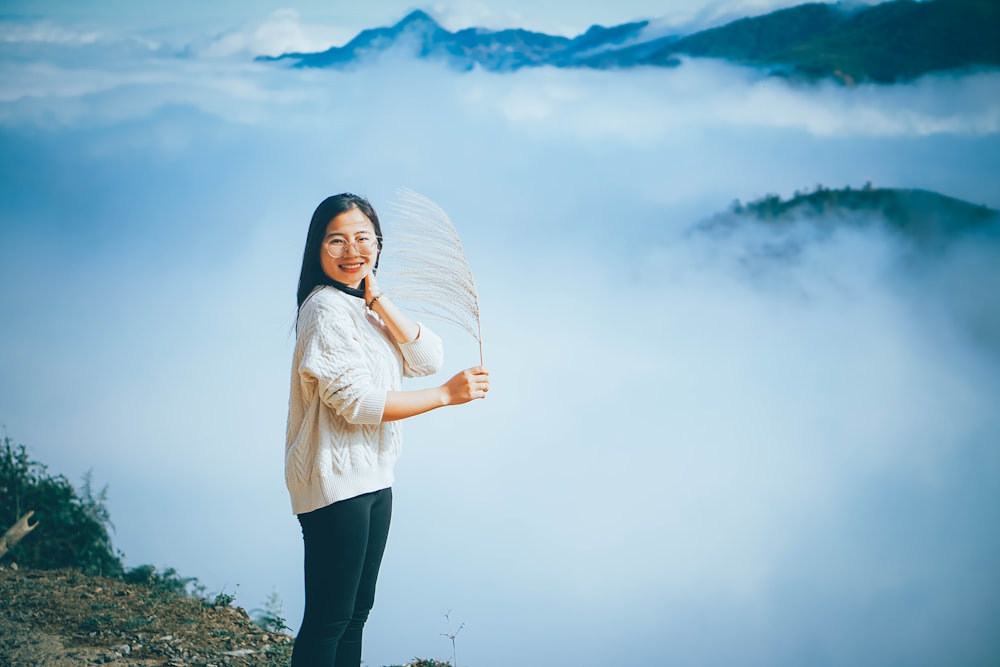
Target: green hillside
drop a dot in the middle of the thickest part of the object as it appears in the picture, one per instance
(886, 43)
(899, 41)
(922, 216)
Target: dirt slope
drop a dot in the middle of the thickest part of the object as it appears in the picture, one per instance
(61, 618)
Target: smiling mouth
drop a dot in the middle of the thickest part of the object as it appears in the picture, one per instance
(351, 267)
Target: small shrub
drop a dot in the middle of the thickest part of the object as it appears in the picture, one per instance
(223, 599)
(164, 582)
(269, 618)
(73, 529)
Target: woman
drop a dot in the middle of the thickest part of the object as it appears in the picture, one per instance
(352, 348)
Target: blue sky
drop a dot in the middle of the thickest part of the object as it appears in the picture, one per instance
(554, 16)
(691, 455)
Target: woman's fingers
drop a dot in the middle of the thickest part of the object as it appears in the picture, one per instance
(371, 287)
(481, 381)
(468, 385)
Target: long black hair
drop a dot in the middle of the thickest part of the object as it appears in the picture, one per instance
(312, 273)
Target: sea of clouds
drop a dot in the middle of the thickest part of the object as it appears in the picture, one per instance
(694, 452)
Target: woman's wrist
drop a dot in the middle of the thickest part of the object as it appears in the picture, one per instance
(444, 395)
(404, 404)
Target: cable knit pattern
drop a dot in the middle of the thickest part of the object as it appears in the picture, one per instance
(344, 363)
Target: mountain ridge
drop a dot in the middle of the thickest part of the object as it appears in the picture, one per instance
(891, 42)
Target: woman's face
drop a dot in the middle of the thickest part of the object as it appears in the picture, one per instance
(350, 248)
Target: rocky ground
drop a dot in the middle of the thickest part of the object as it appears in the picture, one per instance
(62, 618)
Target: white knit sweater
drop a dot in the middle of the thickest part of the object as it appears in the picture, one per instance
(345, 361)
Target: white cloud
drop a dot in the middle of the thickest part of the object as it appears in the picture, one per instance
(456, 16)
(45, 32)
(44, 36)
(707, 94)
(632, 105)
(282, 32)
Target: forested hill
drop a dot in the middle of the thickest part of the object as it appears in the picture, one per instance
(922, 216)
(885, 43)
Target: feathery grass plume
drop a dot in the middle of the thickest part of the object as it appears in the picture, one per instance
(426, 264)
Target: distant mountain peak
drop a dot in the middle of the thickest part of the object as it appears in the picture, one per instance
(417, 17)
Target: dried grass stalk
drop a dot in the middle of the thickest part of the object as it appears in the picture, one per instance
(426, 264)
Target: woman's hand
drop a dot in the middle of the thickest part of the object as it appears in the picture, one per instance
(371, 288)
(470, 384)
(467, 385)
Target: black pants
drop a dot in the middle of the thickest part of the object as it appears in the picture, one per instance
(344, 543)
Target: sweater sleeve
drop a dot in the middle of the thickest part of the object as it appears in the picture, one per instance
(424, 355)
(331, 364)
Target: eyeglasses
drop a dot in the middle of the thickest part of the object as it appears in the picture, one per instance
(337, 246)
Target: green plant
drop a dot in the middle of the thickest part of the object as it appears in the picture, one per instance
(224, 599)
(269, 617)
(163, 582)
(73, 529)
